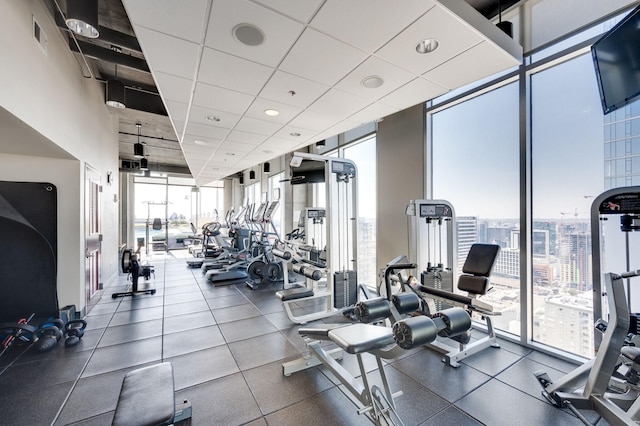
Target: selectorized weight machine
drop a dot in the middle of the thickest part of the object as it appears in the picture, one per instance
(595, 384)
(330, 279)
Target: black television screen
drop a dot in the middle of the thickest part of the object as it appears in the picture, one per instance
(616, 57)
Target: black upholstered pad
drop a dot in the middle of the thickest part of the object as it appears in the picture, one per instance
(631, 352)
(146, 397)
(446, 295)
(358, 338)
(321, 330)
(480, 259)
(473, 284)
(294, 293)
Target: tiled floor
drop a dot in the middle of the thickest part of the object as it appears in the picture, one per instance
(227, 345)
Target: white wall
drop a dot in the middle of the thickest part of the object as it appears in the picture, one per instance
(50, 95)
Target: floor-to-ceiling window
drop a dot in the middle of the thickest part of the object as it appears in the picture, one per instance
(475, 167)
(562, 153)
(276, 193)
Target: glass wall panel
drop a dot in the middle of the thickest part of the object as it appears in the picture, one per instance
(567, 173)
(276, 192)
(475, 167)
(363, 154)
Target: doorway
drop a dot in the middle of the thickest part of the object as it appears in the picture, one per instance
(93, 237)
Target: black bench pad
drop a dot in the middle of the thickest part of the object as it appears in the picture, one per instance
(320, 331)
(358, 338)
(294, 293)
(146, 397)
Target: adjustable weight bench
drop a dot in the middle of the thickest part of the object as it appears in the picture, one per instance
(147, 398)
(475, 282)
(380, 341)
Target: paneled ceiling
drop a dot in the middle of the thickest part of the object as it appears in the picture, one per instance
(326, 66)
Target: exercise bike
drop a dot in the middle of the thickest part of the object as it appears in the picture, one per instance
(589, 385)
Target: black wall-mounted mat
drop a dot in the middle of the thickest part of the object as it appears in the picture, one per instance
(28, 250)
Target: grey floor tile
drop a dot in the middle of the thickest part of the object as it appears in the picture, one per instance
(450, 383)
(451, 416)
(125, 355)
(552, 362)
(492, 361)
(141, 301)
(97, 321)
(136, 315)
(330, 407)
(211, 364)
(19, 410)
(185, 308)
(216, 302)
(101, 309)
(520, 376)
(131, 332)
(186, 322)
(235, 313)
(514, 406)
(83, 403)
(295, 388)
(225, 401)
(182, 298)
(279, 319)
(256, 351)
(273, 305)
(188, 287)
(246, 328)
(30, 377)
(191, 341)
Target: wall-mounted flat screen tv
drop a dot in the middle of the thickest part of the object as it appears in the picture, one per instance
(616, 56)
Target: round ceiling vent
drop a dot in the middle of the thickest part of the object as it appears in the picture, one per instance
(248, 34)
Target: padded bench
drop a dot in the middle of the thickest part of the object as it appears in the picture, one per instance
(147, 397)
(294, 293)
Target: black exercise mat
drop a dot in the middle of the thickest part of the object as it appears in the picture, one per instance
(28, 250)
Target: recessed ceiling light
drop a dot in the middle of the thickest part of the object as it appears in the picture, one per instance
(294, 134)
(427, 45)
(248, 34)
(230, 154)
(203, 143)
(212, 118)
(271, 112)
(372, 82)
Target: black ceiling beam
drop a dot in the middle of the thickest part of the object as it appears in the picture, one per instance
(104, 54)
(107, 35)
(144, 101)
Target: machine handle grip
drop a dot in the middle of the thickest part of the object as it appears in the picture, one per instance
(630, 274)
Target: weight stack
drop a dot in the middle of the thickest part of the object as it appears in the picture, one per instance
(345, 289)
(440, 280)
(634, 324)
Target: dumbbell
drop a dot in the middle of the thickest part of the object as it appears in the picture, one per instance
(74, 330)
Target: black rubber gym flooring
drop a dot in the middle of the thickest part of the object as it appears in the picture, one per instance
(227, 345)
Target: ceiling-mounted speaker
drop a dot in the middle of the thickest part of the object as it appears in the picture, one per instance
(241, 179)
(82, 17)
(506, 27)
(266, 167)
(321, 143)
(252, 175)
(144, 164)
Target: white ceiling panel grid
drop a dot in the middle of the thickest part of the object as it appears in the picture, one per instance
(310, 67)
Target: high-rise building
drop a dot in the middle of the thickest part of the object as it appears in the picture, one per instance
(575, 260)
(467, 235)
(568, 323)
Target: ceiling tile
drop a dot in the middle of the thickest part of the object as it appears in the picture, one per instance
(294, 134)
(224, 70)
(168, 54)
(183, 19)
(412, 93)
(177, 110)
(453, 37)
(236, 147)
(312, 120)
(321, 58)
(253, 125)
(280, 32)
(301, 10)
(287, 112)
(221, 99)
(246, 137)
(206, 131)
(338, 104)
(354, 21)
(278, 144)
(372, 113)
(392, 76)
(475, 64)
(174, 88)
(281, 84)
(199, 114)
